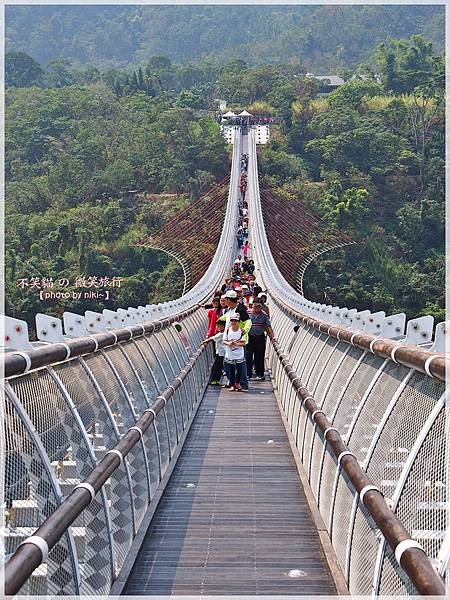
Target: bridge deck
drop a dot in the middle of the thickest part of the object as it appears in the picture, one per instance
(246, 523)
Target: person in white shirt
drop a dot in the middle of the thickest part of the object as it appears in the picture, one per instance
(217, 368)
(233, 339)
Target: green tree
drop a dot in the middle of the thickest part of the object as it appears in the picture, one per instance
(140, 77)
(353, 93)
(134, 83)
(21, 70)
(345, 208)
(407, 63)
(60, 73)
(157, 63)
(427, 102)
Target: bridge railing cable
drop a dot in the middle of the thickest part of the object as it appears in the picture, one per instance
(366, 407)
(82, 544)
(92, 423)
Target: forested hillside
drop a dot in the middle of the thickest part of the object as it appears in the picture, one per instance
(321, 38)
(371, 160)
(96, 159)
(72, 157)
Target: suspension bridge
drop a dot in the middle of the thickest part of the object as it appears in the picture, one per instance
(125, 473)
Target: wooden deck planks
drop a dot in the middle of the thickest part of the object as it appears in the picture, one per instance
(246, 523)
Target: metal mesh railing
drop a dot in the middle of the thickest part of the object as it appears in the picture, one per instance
(31, 495)
(76, 408)
(92, 425)
(368, 419)
(81, 399)
(63, 422)
(383, 411)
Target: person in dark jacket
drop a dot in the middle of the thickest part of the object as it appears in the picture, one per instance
(256, 347)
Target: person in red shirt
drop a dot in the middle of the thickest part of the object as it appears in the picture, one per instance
(213, 315)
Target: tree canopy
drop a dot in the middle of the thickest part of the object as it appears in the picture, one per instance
(323, 37)
(98, 158)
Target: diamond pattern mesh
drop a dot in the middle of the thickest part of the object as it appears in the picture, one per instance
(423, 503)
(108, 399)
(375, 406)
(125, 417)
(102, 431)
(177, 403)
(29, 499)
(340, 381)
(297, 342)
(79, 409)
(172, 426)
(190, 330)
(183, 355)
(327, 484)
(300, 353)
(129, 376)
(143, 369)
(365, 545)
(360, 439)
(327, 375)
(166, 354)
(193, 332)
(388, 457)
(341, 385)
(314, 358)
(147, 347)
(355, 392)
(176, 348)
(321, 365)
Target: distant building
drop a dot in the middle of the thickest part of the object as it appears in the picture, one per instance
(262, 134)
(226, 129)
(227, 116)
(365, 77)
(329, 83)
(230, 122)
(228, 132)
(221, 103)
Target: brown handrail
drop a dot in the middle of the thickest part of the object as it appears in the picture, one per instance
(28, 555)
(414, 561)
(16, 362)
(433, 364)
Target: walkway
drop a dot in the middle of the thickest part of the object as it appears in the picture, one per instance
(246, 522)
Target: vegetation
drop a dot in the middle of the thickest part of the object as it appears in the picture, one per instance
(91, 154)
(86, 178)
(370, 159)
(320, 37)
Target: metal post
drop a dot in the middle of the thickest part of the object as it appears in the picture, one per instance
(45, 461)
(76, 415)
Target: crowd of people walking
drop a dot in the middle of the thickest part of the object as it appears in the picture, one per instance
(238, 317)
(247, 120)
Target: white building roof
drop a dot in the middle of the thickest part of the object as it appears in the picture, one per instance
(230, 113)
(244, 113)
(333, 79)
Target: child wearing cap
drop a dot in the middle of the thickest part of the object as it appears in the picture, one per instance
(217, 368)
(234, 341)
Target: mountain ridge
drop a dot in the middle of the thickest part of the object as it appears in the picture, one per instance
(322, 37)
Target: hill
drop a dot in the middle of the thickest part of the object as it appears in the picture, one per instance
(320, 37)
